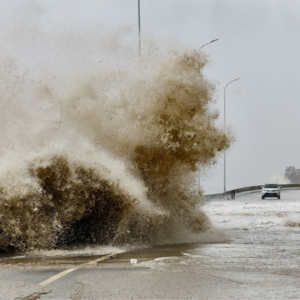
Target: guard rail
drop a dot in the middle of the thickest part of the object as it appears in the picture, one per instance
(253, 188)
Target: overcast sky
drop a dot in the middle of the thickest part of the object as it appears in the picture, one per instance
(258, 41)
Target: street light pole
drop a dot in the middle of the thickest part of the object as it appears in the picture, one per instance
(224, 132)
(199, 51)
(207, 44)
(139, 21)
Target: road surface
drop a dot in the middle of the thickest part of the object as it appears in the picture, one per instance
(253, 253)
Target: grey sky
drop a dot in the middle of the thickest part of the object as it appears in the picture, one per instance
(258, 41)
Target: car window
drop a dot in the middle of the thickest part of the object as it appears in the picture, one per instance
(271, 186)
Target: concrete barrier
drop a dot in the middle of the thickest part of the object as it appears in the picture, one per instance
(248, 189)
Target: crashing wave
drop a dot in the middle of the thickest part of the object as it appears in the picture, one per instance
(104, 146)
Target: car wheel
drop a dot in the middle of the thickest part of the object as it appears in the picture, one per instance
(262, 197)
(279, 197)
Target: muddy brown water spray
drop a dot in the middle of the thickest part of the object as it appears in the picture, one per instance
(98, 145)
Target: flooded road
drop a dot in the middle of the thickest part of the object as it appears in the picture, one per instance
(255, 254)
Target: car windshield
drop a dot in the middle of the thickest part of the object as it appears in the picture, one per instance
(272, 186)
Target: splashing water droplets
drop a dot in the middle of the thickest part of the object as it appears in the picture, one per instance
(98, 145)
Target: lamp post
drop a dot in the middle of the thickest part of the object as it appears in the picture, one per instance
(224, 132)
(199, 51)
(207, 44)
(139, 22)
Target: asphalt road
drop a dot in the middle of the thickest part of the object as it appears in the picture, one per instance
(255, 255)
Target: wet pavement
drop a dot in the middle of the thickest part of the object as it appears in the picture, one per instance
(258, 258)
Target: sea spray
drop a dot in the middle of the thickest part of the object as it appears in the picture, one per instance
(99, 145)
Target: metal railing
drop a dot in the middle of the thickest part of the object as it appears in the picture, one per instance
(244, 190)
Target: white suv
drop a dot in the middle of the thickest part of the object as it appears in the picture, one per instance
(270, 190)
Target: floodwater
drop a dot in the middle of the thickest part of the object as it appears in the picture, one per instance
(258, 257)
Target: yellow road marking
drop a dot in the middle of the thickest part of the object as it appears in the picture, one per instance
(55, 277)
